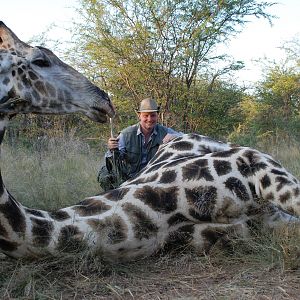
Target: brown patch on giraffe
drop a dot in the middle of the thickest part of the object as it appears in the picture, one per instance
(203, 201)
(211, 235)
(13, 215)
(161, 158)
(32, 75)
(51, 90)
(3, 231)
(41, 231)
(285, 197)
(243, 167)
(274, 163)
(168, 177)
(140, 179)
(195, 136)
(91, 207)
(253, 191)
(237, 187)
(269, 196)
(182, 146)
(59, 215)
(228, 211)
(36, 96)
(177, 218)
(222, 167)
(6, 81)
(20, 71)
(226, 153)
(278, 172)
(296, 192)
(196, 170)
(39, 85)
(116, 194)
(25, 81)
(184, 155)
(163, 200)
(8, 246)
(265, 181)
(142, 225)
(180, 237)
(202, 218)
(70, 239)
(282, 182)
(291, 211)
(154, 167)
(254, 162)
(203, 149)
(111, 230)
(175, 162)
(34, 212)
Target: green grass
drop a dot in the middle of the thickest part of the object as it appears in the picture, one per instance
(56, 174)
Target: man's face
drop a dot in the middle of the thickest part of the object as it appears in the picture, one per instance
(148, 120)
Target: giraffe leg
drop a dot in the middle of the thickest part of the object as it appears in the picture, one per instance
(205, 236)
(276, 218)
(202, 237)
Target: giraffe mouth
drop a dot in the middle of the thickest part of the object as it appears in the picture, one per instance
(98, 115)
(13, 106)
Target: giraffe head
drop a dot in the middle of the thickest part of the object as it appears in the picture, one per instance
(34, 80)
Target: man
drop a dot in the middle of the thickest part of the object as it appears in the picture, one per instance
(136, 145)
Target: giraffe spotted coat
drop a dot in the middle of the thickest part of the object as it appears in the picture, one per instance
(181, 195)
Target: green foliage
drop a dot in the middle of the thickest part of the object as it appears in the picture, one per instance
(163, 49)
(273, 112)
(166, 49)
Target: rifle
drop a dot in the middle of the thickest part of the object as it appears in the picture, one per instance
(116, 165)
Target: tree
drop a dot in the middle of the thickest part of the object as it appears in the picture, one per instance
(274, 111)
(138, 48)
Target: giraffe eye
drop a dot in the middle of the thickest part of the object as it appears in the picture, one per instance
(41, 63)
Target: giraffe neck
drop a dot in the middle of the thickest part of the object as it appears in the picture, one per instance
(3, 124)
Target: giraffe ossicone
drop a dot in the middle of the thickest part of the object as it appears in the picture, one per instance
(195, 190)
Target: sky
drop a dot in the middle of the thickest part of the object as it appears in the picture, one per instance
(257, 40)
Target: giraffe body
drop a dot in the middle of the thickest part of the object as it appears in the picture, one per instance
(196, 198)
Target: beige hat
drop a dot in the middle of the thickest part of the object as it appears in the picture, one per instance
(148, 105)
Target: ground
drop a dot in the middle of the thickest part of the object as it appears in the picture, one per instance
(265, 274)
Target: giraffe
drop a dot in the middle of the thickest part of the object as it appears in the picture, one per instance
(35, 80)
(195, 190)
(195, 199)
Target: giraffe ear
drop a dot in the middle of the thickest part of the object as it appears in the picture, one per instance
(8, 39)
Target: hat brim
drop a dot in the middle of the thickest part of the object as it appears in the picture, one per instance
(147, 110)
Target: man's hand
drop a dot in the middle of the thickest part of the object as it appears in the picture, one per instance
(113, 143)
(168, 137)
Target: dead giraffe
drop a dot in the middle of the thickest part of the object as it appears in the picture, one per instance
(194, 190)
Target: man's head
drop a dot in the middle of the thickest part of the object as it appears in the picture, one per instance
(148, 114)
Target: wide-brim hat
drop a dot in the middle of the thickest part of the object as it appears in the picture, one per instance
(148, 105)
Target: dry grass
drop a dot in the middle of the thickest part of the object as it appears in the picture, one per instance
(265, 267)
(166, 276)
